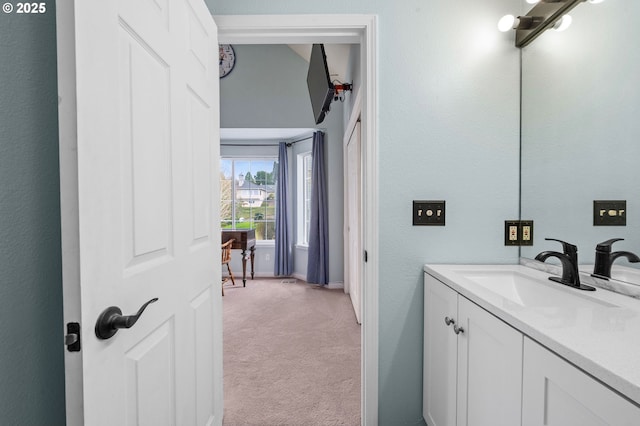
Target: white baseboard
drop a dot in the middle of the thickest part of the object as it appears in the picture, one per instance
(333, 285)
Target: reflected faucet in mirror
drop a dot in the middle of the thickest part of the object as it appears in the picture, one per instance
(569, 260)
(605, 258)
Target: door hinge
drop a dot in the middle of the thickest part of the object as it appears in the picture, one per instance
(366, 256)
(72, 338)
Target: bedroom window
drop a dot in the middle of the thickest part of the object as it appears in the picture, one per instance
(304, 197)
(248, 195)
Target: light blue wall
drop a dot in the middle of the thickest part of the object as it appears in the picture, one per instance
(31, 349)
(268, 89)
(448, 129)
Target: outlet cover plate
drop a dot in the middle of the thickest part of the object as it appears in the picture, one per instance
(518, 232)
(526, 232)
(428, 213)
(609, 212)
(511, 233)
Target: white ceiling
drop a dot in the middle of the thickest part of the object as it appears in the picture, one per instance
(266, 135)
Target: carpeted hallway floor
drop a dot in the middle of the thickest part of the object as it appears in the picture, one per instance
(291, 355)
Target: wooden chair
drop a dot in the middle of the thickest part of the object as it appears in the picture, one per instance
(226, 258)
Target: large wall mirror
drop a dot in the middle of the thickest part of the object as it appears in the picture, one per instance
(581, 130)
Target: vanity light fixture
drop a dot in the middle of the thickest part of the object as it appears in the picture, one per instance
(563, 23)
(544, 15)
(509, 22)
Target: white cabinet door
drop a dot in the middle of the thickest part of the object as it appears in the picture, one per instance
(489, 369)
(555, 393)
(440, 354)
(139, 119)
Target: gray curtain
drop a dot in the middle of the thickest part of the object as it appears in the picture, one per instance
(284, 246)
(318, 261)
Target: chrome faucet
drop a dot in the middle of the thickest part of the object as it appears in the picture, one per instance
(605, 259)
(569, 261)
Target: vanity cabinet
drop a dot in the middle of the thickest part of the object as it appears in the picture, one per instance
(557, 393)
(472, 362)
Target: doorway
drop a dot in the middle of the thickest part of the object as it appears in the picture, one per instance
(353, 29)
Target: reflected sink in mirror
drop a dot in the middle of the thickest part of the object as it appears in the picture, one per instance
(628, 275)
(623, 280)
(618, 273)
(531, 292)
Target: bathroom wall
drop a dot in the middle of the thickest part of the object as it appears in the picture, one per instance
(448, 129)
(31, 334)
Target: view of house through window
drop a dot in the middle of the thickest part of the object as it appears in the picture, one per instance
(248, 195)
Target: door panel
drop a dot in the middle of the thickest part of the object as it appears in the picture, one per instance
(146, 149)
(150, 374)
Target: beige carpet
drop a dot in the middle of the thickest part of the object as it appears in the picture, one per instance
(291, 355)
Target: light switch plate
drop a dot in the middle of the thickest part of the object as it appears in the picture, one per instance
(609, 212)
(428, 213)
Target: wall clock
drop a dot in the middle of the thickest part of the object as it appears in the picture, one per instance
(227, 59)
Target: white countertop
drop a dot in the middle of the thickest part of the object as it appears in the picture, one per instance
(602, 339)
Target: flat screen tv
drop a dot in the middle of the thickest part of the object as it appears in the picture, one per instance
(321, 89)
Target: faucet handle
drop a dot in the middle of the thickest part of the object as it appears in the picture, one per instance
(567, 248)
(605, 246)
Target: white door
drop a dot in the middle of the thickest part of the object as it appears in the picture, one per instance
(354, 223)
(139, 125)
(440, 353)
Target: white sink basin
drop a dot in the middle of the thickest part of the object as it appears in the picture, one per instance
(529, 290)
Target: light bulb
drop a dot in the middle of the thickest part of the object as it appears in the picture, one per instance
(563, 23)
(532, 1)
(506, 23)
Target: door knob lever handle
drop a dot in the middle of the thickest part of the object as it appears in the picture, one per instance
(111, 320)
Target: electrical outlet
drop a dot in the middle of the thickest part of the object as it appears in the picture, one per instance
(518, 232)
(609, 212)
(428, 213)
(511, 233)
(526, 232)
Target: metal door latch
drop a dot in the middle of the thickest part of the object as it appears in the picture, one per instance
(72, 338)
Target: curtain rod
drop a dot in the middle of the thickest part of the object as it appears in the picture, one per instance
(249, 144)
(270, 144)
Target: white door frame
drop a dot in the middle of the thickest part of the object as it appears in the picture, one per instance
(353, 29)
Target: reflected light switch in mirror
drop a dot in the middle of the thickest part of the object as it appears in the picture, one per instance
(609, 212)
